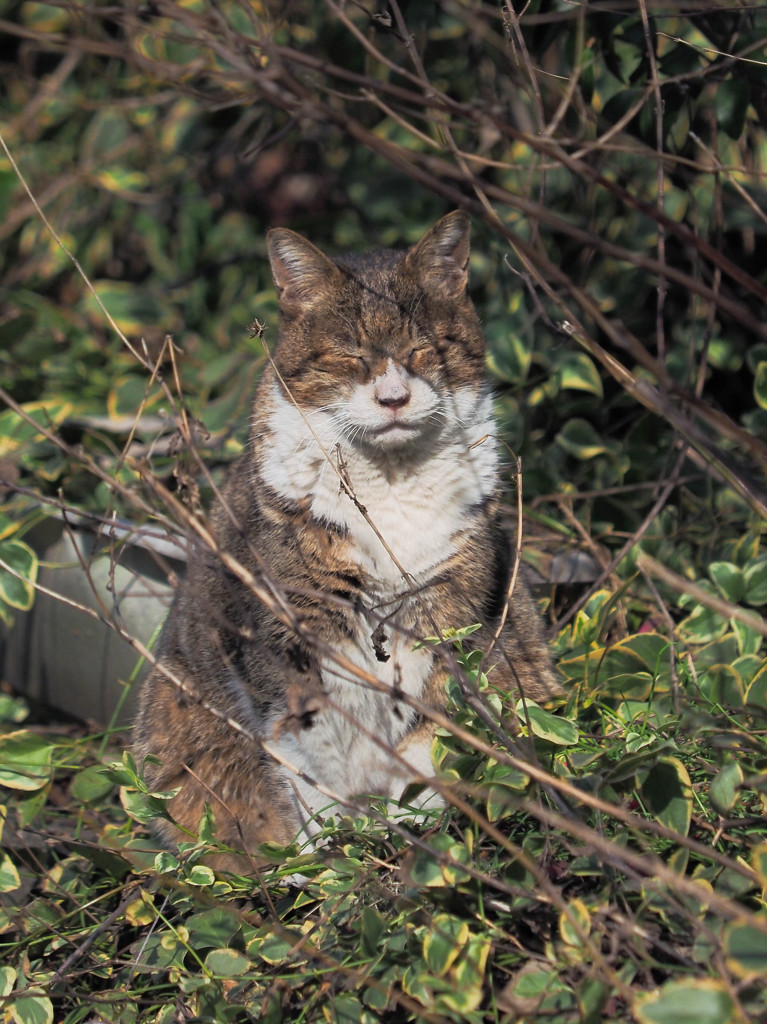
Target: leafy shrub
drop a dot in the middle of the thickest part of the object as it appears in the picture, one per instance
(603, 860)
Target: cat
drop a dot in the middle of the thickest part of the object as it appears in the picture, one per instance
(366, 508)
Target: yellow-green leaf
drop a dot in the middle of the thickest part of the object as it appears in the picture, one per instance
(576, 371)
(692, 1001)
(25, 760)
(226, 963)
(745, 947)
(443, 941)
(725, 787)
(575, 922)
(9, 875)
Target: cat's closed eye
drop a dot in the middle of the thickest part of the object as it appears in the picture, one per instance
(342, 365)
(419, 353)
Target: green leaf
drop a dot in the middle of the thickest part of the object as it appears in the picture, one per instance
(574, 923)
(723, 651)
(580, 439)
(345, 1008)
(667, 793)
(546, 726)
(128, 394)
(32, 1008)
(273, 949)
(106, 130)
(165, 863)
(725, 787)
(745, 947)
(372, 928)
(756, 694)
(702, 625)
(9, 875)
(25, 761)
(426, 870)
(729, 580)
(19, 558)
(758, 863)
(468, 976)
(214, 928)
(91, 784)
(722, 684)
(576, 371)
(7, 979)
(143, 807)
(631, 668)
(200, 874)
(226, 963)
(119, 179)
(501, 782)
(133, 308)
(508, 356)
(749, 639)
(731, 100)
(592, 996)
(693, 1001)
(755, 581)
(13, 709)
(444, 939)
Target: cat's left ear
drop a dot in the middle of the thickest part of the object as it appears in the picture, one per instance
(441, 258)
(303, 276)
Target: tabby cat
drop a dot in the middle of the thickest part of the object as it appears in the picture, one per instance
(367, 508)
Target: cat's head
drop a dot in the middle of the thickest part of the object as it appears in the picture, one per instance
(387, 343)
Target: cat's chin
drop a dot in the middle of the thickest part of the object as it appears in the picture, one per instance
(394, 436)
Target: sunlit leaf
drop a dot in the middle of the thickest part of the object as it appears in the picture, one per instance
(577, 371)
(25, 760)
(693, 1001)
(226, 963)
(755, 580)
(725, 787)
(722, 684)
(200, 874)
(468, 975)
(31, 1008)
(745, 947)
(9, 874)
(729, 580)
(119, 179)
(91, 784)
(759, 862)
(574, 923)
(20, 559)
(443, 866)
(7, 979)
(547, 726)
(443, 941)
(581, 440)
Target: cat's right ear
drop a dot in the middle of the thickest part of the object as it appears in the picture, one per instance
(303, 276)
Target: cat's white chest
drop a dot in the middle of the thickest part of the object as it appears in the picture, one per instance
(351, 746)
(402, 518)
(400, 515)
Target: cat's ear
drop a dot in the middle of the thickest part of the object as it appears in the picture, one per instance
(441, 258)
(302, 274)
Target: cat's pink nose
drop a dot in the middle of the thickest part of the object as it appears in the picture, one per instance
(391, 389)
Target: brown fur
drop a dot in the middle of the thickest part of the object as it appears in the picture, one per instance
(383, 317)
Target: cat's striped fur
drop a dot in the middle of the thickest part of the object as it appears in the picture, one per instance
(368, 500)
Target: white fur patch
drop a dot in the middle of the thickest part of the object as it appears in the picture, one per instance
(416, 503)
(416, 491)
